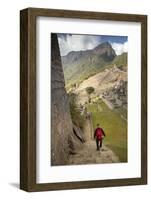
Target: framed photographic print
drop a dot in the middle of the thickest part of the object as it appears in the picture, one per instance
(83, 99)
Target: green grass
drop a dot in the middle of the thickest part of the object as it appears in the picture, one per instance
(114, 126)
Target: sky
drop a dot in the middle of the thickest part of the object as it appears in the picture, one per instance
(75, 42)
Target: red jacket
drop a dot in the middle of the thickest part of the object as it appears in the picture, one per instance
(99, 133)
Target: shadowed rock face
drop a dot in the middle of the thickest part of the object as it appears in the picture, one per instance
(66, 138)
(61, 124)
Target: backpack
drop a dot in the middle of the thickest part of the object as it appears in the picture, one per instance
(99, 133)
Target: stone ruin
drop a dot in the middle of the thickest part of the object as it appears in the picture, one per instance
(116, 96)
(66, 138)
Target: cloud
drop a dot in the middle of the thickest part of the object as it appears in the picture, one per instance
(77, 43)
(69, 42)
(120, 48)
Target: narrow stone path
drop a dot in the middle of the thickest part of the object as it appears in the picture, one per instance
(88, 154)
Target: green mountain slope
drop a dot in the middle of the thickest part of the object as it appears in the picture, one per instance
(120, 60)
(80, 65)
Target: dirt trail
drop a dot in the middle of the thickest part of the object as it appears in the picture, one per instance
(88, 154)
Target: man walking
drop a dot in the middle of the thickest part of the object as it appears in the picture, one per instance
(98, 136)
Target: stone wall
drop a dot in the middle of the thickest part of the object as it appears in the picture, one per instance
(66, 138)
(61, 124)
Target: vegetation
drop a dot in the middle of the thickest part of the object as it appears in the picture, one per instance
(114, 126)
(89, 90)
(79, 66)
(82, 69)
(120, 60)
(77, 118)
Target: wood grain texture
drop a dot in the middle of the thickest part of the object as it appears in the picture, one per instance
(86, 15)
(144, 99)
(28, 98)
(27, 101)
(24, 100)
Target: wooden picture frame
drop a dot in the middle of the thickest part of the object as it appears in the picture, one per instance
(28, 98)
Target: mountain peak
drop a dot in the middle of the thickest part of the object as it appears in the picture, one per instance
(101, 54)
(103, 45)
(105, 50)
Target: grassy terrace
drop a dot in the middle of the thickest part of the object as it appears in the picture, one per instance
(114, 126)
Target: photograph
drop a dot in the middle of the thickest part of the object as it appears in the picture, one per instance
(89, 90)
(83, 99)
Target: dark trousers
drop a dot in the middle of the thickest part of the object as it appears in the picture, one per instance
(98, 144)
